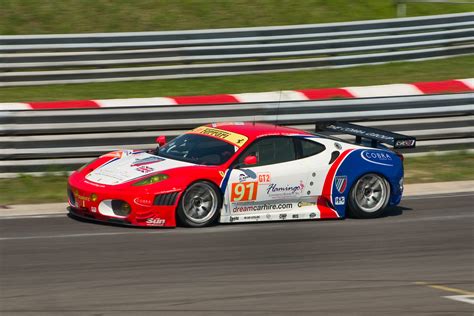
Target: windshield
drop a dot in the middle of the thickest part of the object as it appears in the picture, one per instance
(199, 149)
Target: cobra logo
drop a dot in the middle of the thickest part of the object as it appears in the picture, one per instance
(377, 157)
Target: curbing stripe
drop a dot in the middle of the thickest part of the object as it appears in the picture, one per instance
(384, 90)
(14, 106)
(468, 82)
(207, 99)
(117, 103)
(447, 86)
(321, 94)
(450, 86)
(74, 104)
(276, 96)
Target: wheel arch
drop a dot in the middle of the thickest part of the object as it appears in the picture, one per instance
(188, 185)
(354, 166)
(352, 187)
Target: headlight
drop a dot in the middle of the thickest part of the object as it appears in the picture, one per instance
(150, 180)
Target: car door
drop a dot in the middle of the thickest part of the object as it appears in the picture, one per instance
(282, 185)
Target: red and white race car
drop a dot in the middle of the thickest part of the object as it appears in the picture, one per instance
(243, 172)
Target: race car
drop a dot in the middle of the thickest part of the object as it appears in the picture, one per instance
(244, 172)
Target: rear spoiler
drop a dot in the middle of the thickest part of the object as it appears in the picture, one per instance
(375, 135)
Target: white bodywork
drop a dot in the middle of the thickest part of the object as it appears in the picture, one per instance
(130, 165)
(282, 191)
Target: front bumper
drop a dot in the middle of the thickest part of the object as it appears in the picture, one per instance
(88, 200)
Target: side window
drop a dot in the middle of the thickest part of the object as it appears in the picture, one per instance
(270, 150)
(308, 148)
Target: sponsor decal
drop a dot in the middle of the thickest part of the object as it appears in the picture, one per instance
(261, 207)
(276, 190)
(268, 216)
(405, 143)
(341, 183)
(283, 216)
(146, 161)
(361, 132)
(247, 174)
(295, 216)
(233, 138)
(94, 209)
(243, 191)
(222, 173)
(80, 199)
(145, 169)
(243, 177)
(155, 221)
(377, 157)
(253, 217)
(233, 218)
(339, 200)
(143, 201)
(312, 215)
(264, 178)
(305, 203)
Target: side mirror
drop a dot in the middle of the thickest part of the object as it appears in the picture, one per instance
(250, 160)
(161, 140)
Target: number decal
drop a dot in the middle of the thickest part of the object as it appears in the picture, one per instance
(243, 191)
(264, 177)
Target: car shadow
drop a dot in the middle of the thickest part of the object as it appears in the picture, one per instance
(391, 211)
(111, 224)
(395, 211)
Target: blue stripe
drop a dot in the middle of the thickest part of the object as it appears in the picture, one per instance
(225, 181)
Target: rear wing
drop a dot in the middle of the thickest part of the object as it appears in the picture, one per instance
(375, 135)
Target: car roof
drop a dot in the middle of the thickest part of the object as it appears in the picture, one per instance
(256, 130)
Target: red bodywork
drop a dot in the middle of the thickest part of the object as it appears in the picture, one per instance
(140, 198)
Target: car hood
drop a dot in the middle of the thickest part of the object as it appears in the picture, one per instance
(130, 165)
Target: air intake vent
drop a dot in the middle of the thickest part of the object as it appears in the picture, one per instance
(166, 199)
(71, 196)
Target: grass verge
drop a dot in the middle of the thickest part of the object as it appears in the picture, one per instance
(399, 72)
(76, 16)
(452, 167)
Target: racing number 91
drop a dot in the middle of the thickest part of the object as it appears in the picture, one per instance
(243, 191)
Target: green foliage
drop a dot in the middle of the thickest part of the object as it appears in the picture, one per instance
(432, 168)
(28, 189)
(400, 72)
(77, 16)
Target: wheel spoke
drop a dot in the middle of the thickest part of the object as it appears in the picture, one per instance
(370, 193)
(200, 203)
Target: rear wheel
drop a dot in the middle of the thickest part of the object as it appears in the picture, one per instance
(199, 206)
(369, 196)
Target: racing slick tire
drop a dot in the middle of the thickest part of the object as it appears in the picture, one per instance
(369, 196)
(200, 204)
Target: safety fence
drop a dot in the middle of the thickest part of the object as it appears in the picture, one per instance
(105, 57)
(49, 140)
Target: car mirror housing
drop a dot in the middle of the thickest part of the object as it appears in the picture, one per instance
(250, 160)
(161, 140)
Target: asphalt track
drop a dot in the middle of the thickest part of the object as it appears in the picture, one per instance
(416, 261)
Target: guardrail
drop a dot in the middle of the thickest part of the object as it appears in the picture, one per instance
(59, 59)
(35, 141)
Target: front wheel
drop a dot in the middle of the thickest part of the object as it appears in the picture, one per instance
(199, 206)
(369, 196)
